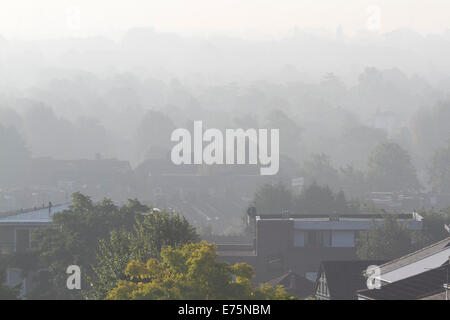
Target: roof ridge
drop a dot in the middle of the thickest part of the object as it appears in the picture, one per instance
(416, 252)
(278, 279)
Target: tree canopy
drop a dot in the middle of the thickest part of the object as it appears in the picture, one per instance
(146, 240)
(14, 156)
(390, 169)
(314, 199)
(386, 241)
(100, 238)
(191, 273)
(439, 170)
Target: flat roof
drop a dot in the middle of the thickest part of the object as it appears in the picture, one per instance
(411, 221)
(343, 217)
(39, 216)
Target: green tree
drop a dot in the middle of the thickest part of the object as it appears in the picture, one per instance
(315, 199)
(149, 236)
(318, 169)
(429, 129)
(321, 200)
(439, 170)
(14, 156)
(190, 272)
(433, 229)
(73, 240)
(152, 135)
(353, 181)
(385, 241)
(390, 169)
(6, 292)
(290, 132)
(273, 199)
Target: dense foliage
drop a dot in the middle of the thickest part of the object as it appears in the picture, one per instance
(191, 272)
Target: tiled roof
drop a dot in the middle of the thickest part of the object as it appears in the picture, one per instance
(426, 285)
(415, 256)
(344, 278)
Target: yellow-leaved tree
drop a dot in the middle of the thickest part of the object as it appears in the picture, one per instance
(191, 272)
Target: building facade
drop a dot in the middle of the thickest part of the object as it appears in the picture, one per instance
(300, 243)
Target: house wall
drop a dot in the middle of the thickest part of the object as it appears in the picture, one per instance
(6, 239)
(284, 245)
(281, 248)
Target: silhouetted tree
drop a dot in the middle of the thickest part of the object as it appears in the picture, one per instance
(390, 169)
(439, 170)
(384, 242)
(14, 157)
(273, 199)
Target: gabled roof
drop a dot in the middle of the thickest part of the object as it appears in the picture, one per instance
(302, 286)
(416, 256)
(344, 278)
(428, 285)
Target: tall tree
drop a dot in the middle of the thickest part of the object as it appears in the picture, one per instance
(318, 169)
(73, 240)
(321, 200)
(290, 132)
(353, 181)
(14, 156)
(439, 170)
(153, 135)
(390, 169)
(6, 292)
(273, 199)
(385, 241)
(156, 231)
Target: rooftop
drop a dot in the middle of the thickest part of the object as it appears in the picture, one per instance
(294, 284)
(333, 217)
(344, 278)
(43, 215)
(428, 285)
(411, 221)
(429, 257)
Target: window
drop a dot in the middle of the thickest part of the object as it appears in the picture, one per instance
(318, 239)
(326, 238)
(343, 239)
(314, 239)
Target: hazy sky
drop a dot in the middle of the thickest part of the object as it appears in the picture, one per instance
(54, 18)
